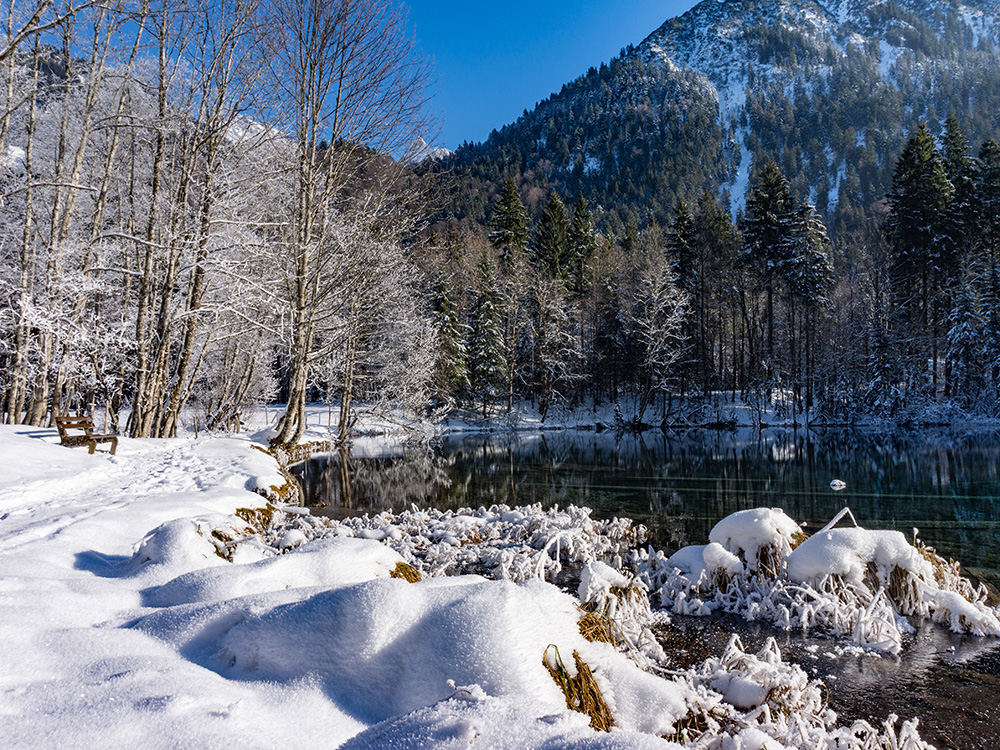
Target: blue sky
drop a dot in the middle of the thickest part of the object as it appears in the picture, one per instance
(493, 60)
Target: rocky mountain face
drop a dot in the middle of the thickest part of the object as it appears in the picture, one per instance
(831, 89)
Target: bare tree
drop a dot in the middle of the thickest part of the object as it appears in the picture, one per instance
(350, 89)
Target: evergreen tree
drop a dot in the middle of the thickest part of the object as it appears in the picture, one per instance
(965, 345)
(452, 378)
(988, 199)
(768, 224)
(681, 247)
(883, 394)
(582, 242)
(716, 246)
(485, 348)
(960, 222)
(509, 225)
(809, 272)
(552, 240)
(924, 260)
(990, 309)
(630, 243)
(921, 194)
(768, 230)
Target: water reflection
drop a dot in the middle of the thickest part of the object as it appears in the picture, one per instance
(943, 482)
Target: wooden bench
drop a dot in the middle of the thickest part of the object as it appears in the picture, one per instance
(70, 427)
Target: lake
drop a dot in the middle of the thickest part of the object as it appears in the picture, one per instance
(946, 483)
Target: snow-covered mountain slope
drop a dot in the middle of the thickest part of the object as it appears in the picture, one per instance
(830, 88)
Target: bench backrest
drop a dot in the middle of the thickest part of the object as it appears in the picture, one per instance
(64, 424)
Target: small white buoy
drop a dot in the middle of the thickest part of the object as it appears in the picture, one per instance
(837, 485)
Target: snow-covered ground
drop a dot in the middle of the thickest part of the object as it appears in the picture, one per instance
(137, 610)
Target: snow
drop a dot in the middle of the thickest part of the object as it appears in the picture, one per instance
(851, 582)
(748, 532)
(420, 151)
(139, 609)
(847, 552)
(888, 55)
(14, 158)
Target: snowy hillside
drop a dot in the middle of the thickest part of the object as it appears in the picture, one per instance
(831, 89)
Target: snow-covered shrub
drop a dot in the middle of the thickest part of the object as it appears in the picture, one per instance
(762, 537)
(514, 544)
(768, 703)
(849, 582)
(915, 580)
(621, 606)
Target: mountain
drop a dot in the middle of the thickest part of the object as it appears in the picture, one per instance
(420, 151)
(830, 89)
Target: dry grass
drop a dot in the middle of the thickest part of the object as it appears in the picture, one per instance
(902, 590)
(258, 518)
(222, 546)
(582, 692)
(598, 627)
(629, 594)
(406, 572)
(769, 561)
(471, 539)
(943, 570)
(690, 728)
(797, 538)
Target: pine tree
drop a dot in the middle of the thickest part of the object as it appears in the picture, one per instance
(809, 272)
(965, 345)
(924, 261)
(452, 378)
(681, 247)
(485, 348)
(509, 224)
(960, 222)
(716, 245)
(990, 308)
(884, 392)
(768, 229)
(988, 199)
(551, 249)
(921, 194)
(582, 242)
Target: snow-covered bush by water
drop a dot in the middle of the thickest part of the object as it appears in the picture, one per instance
(849, 582)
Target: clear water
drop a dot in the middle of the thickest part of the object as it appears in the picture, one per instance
(944, 483)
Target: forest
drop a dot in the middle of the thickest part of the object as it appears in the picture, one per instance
(211, 207)
(200, 210)
(674, 323)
